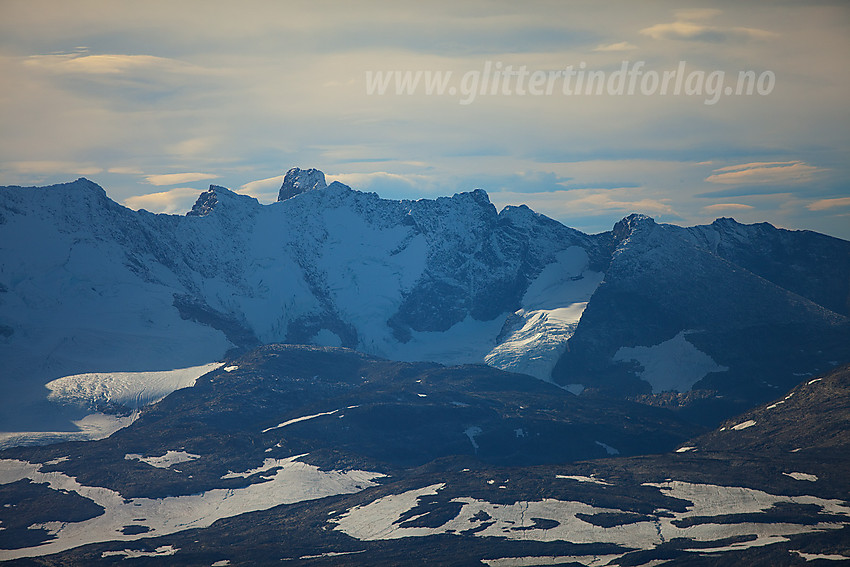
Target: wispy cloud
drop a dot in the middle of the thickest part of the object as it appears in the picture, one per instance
(177, 200)
(689, 27)
(619, 46)
(697, 13)
(120, 79)
(177, 178)
(264, 190)
(758, 173)
(195, 147)
(723, 207)
(107, 64)
(825, 204)
(578, 202)
(386, 183)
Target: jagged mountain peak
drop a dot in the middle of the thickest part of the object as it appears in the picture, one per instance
(297, 181)
(209, 200)
(480, 195)
(630, 225)
(725, 221)
(477, 199)
(67, 201)
(732, 227)
(205, 204)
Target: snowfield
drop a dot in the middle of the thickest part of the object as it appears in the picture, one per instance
(293, 481)
(132, 390)
(381, 519)
(102, 390)
(92, 427)
(674, 364)
(164, 461)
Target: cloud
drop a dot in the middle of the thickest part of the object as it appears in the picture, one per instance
(530, 181)
(264, 190)
(177, 200)
(825, 204)
(123, 80)
(689, 31)
(575, 203)
(620, 46)
(758, 173)
(176, 178)
(387, 184)
(109, 64)
(721, 207)
(685, 28)
(193, 147)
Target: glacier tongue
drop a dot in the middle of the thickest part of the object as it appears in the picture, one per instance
(536, 336)
(129, 389)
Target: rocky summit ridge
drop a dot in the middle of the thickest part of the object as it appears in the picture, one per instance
(297, 181)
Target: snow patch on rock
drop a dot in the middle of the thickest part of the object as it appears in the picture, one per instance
(164, 461)
(674, 365)
(293, 482)
(381, 519)
(802, 476)
(744, 425)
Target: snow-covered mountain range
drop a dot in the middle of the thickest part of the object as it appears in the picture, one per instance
(89, 286)
(151, 334)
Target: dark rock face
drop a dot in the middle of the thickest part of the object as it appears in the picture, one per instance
(297, 181)
(812, 265)
(205, 204)
(814, 418)
(26, 503)
(663, 280)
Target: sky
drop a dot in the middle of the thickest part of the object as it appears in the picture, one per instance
(155, 101)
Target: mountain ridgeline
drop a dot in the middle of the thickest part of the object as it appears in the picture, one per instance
(339, 379)
(708, 319)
